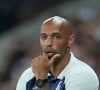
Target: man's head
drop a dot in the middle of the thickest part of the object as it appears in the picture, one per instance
(56, 36)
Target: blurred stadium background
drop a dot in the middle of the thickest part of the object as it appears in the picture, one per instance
(20, 22)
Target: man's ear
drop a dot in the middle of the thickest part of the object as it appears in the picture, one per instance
(71, 40)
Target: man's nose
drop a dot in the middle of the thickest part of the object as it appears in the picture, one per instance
(49, 42)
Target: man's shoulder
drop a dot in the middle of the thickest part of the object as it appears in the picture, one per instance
(79, 72)
(76, 63)
(28, 70)
(27, 75)
(77, 66)
(80, 66)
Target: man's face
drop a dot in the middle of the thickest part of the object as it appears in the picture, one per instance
(54, 39)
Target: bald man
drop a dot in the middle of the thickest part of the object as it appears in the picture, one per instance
(57, 68)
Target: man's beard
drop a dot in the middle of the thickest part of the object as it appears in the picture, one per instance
(62, 53)
(51, 50)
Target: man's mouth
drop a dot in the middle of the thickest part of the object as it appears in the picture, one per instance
(50, 54)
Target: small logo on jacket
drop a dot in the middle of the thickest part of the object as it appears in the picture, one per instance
(59, 85)
(35, 88)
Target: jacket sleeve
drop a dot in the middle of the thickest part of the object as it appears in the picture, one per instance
(25, 77)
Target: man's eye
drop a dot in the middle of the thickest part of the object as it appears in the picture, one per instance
(57, 37)
(43, 37)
